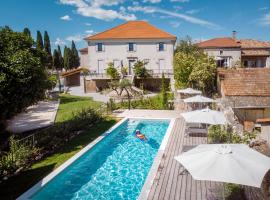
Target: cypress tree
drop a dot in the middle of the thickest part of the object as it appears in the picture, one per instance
(39, 41)
(26, 31)
(47, 48)
(56, 61)
(164, 89)
(75, 55)
(60, 57)
(65, 57)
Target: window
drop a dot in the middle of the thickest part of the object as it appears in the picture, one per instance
(99, 47)
(161, 46)
(221, 52)
(131, 46)
(100, 67)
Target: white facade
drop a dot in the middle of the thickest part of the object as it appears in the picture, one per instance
(84, 60)
(117, 51)
(230, 56)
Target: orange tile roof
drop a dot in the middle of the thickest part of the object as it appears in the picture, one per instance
(84, 50)
(225, 42)
(133, 30)
(249, 43)
(255, 52)
(245, 82)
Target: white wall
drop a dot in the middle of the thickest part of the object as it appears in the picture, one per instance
(84, 60)
(235, 53)
(268, 62)
(118, 50)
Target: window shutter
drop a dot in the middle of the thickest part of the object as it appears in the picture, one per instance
(165, 46)
(127, 46)
(157, 46)
(135, 47)
(96, 46)
(103, 47)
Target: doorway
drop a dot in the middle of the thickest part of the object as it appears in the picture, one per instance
(131, 63)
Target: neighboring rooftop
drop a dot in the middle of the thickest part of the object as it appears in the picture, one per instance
(133, 30)
(245, 82)
(229, 42)
(226, 42)
(84, 50)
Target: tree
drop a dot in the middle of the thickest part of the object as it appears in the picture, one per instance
(140, 71)
(39, 41)
(111, 71)
(60, 57)
(47, 49)
(56, 61)
(23, 79)
(193, 68)
(164, 94)
(27, 32)
(67, 58)
(75, 56)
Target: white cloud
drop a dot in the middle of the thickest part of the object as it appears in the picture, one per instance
(66, 18)
(75, 38)
(59, 41)
(193, 11)
(93, 8)
(89, 32)
(190, 19)
(152, 1)
(265, 20)
(88, 24)
(175, 24)
(181, 1)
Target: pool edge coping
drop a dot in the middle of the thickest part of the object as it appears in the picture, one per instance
(154, 168)
(31, 191)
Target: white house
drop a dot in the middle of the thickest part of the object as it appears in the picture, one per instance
(233, 52)
(125, 44)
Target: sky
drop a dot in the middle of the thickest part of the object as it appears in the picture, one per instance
(67, 20)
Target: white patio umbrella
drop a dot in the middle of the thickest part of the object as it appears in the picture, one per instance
(199, 99)
(204, 116)
(230, 163)
(189, 91)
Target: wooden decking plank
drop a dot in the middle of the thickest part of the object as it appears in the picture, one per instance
(169, 165)
(166, 159)
(172, 179)
(173, 191)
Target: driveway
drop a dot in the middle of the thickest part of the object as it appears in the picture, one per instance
(37, 116)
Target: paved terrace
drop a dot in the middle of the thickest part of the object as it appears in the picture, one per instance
(171, 181)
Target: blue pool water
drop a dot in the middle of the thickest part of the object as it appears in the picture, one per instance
(115, 168)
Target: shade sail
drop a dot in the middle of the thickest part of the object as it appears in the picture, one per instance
(199, 99)
(204, 116)
(230, 163)
(189, 91)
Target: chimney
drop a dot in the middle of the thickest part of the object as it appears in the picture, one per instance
(234, 35)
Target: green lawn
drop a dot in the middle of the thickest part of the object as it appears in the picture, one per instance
(16, 185)
(70, 104)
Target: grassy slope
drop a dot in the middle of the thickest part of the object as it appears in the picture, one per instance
(15, 186)
(71, 104)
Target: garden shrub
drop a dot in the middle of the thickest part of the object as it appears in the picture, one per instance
(17, 157)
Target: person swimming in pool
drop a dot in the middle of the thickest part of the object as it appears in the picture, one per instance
(140, 135)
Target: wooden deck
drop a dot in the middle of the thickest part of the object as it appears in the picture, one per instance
(171, 181)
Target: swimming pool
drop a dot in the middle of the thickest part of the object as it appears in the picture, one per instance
(115, 168)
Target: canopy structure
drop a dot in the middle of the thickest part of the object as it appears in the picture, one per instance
(204, 116)
(230, 163)
(189, 91)
(199, 99)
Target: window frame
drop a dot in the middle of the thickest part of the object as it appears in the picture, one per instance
(99, 44)
(159, 46)
(133, 46)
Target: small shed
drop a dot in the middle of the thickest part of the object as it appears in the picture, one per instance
(72, 77)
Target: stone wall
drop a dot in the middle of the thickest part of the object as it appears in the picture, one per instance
(151, 84)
